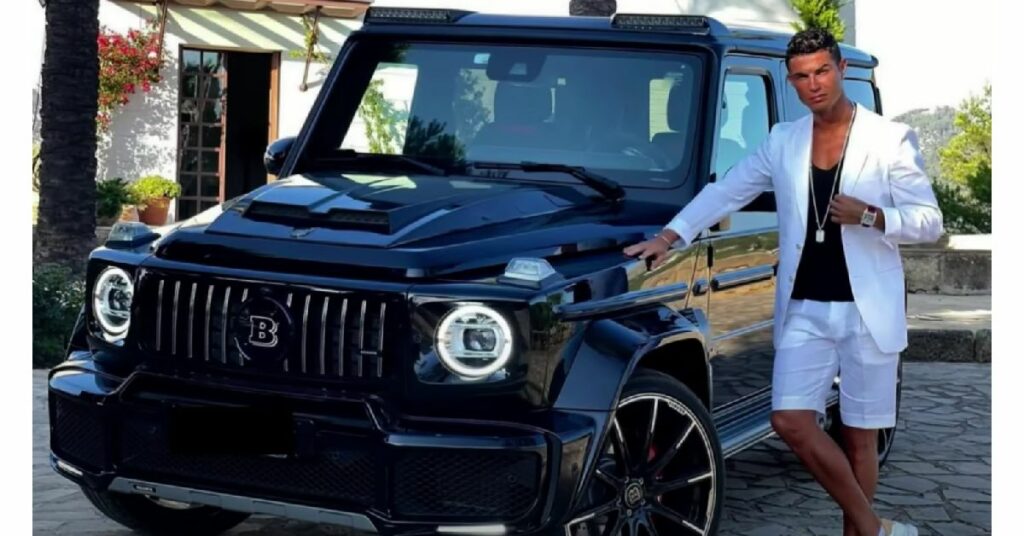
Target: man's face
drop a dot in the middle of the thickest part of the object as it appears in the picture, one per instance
(818, 79)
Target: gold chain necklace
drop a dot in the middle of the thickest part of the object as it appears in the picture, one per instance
(819, 235)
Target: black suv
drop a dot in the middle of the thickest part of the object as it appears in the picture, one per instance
(427, 325)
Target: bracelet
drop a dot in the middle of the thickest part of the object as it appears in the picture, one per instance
(665, 239)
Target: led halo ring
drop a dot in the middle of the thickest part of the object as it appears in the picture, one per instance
(442, 337)
(113, 332)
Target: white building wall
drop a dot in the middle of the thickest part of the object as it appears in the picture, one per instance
(930, 52)
(143, 134)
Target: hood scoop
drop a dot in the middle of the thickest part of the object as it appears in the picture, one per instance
(335, 218)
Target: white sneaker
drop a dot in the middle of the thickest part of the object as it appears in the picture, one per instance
(895, 528)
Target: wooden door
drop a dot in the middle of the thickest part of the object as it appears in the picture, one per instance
(202, 105)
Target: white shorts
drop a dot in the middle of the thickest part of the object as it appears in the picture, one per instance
(821, 340)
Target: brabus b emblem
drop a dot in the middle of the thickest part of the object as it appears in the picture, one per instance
(262, 331)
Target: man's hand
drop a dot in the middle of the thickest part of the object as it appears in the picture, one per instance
(655, 249)
(846, 210)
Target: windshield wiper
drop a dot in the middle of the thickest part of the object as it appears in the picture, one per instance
(605, 186)
(419, 165)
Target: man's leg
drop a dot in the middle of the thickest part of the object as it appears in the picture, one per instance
(867, 394)
(829, 466)
(861, 448)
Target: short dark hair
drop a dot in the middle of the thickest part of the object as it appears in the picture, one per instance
(810, 41)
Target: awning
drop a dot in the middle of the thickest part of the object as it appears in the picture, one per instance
(340, 9)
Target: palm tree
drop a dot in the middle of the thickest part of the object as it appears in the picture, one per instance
(594, 8)
(66, 230)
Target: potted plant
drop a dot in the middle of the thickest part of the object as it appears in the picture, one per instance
(111, 197)
(152, 195)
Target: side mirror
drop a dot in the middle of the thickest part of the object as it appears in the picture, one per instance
(277, 151)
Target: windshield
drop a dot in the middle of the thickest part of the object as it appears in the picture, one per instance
(629, 115)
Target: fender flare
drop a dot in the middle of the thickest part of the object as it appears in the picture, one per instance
(611, 349)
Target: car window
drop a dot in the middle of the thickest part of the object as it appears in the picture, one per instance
(861, 92)
(744, 124)
(382, 121)
(630, 115)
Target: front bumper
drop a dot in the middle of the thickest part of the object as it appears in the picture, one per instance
(352, 462)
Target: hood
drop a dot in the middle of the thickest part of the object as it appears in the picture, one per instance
(451, 220)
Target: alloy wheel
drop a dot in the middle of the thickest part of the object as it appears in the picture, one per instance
(656, 475)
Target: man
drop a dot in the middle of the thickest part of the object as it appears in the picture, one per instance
(849, 187)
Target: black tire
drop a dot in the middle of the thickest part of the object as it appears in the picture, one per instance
(886, 436)
(147, 516)
(680, 477)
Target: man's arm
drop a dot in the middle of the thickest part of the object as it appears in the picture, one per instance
(740, 185)
(916, 217)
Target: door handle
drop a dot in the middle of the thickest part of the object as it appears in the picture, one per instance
(742, 276)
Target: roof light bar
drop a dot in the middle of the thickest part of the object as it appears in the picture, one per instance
(413, 15)
(697, 24)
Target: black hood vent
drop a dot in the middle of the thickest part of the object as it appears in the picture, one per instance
(337, 218)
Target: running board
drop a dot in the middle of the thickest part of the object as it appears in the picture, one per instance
(743, 425)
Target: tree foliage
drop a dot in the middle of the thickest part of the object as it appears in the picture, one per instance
(820, 14)
(967, 158)
(57, 295)
(934, 130)
(592, 8)
(965, 187)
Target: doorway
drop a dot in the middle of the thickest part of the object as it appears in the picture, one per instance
(221, 138)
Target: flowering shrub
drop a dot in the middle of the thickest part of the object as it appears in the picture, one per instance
(127, 63)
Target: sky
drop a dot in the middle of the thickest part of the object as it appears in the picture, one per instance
(930, 52)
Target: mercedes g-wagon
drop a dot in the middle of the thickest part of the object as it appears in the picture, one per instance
(427, 324)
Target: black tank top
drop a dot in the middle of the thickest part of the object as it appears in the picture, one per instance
(822, 273)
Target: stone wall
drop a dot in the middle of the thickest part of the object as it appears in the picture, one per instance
(939, 270)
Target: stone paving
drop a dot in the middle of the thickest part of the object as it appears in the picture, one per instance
(938, 475)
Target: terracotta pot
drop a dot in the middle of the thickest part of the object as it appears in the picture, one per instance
(155, 212)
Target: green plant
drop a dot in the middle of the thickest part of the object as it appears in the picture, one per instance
(57, 296)
(822, 14)
(311, 39)
(153, 187)
(111, 196)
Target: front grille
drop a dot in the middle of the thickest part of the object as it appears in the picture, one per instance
(77, 432)
(335, 333)
(465, 483)
(344, 469)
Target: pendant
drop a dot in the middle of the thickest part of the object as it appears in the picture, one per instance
(819, 236)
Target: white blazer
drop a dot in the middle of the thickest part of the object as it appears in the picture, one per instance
(883, 167)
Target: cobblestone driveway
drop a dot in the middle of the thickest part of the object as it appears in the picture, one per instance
(938, 476)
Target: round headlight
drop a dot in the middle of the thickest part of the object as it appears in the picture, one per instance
(474, 341)
(112, 301)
